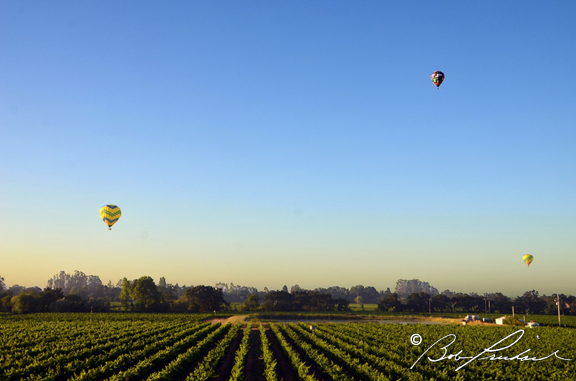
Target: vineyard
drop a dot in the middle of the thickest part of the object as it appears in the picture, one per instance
(190, 347)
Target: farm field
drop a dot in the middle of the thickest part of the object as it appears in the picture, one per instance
(201, 347)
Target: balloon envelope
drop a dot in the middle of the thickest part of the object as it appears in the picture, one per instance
(437, 78)
(110, 215)
(528, 259)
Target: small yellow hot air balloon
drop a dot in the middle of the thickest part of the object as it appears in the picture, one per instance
(528, 259)
(110, 215)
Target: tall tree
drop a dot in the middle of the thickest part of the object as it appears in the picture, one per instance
(125, 297)
(356, 291)
(384, 294)
(335, 291)
(406, 287)
(205, 299)
(146, 295)
(170, 295)
(295, 289)
(78, 281)
(16, 289)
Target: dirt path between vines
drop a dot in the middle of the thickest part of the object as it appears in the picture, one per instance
(254, 370)
(245, 319)
(227, 363)
(283, 368)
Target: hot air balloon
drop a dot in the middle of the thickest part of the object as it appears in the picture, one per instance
(437, 78)
(528, 259)
(110, 214)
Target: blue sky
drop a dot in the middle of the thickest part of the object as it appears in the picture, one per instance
(271, 143)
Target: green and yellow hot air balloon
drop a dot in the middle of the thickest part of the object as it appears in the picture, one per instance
(528, 259)
(110, 214)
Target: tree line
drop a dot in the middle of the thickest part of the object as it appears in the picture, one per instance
(530, 303)
(140, 295)
(49, 300)
(301, 300)
(79, 292)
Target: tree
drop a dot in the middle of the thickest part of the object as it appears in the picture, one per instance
(418, 302)
(78, 281)
(295, 288)
(32, 300)
(441, 303)
(341, 304)
(448, 293)
(530, 302)
(384, 294)
(335, 291)
(369, 294)
(315, 301)
(2, 285)
(278, 301)
(251, 304)
(180, 304)
(76, 303)
(60, 281)
(125, 297)
(170, 295)
(355, 292)
(406, 287)
(24, 303)
(146, 295)
(16, 289)
(205, 299)
(391, 303)
(468, 303)
(501, 303)
(47, 297)
(571, 305)
(285, 288)
(6, 301)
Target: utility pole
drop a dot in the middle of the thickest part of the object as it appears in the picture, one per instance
(558, 304)
(484, 308)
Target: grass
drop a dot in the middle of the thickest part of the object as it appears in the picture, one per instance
(364, 307)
